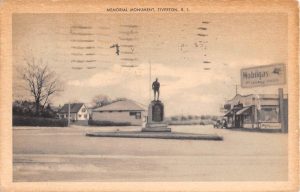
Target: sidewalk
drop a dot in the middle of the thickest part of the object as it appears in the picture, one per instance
(261, 130)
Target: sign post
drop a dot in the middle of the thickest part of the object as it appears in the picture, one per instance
(281, 110)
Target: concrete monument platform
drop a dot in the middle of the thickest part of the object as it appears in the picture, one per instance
(157, 135)
(155, 118)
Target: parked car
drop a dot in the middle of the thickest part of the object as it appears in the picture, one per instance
(224, 124)
(218, 124)
(221, 124)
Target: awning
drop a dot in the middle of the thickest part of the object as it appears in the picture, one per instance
(243, 110)
(228, 113)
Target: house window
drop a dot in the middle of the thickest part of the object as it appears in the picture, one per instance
(79, 116)
(138, 115)
(85, 116)
(132, 113)
(83, 110)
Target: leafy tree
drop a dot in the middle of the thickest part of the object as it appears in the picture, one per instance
(100, 100)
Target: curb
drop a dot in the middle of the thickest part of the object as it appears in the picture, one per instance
(155, 135)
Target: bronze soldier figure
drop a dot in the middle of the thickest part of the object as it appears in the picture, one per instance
(155, 87)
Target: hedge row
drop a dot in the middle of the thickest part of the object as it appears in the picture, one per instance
(39, 121)
(186, 123)
(108, 123)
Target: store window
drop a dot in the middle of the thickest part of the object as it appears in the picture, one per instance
(269, 114)
(247, 119)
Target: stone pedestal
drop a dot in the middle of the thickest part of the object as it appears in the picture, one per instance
(155, 119)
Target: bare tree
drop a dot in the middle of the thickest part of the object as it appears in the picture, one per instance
(100, 100)
(41, 81)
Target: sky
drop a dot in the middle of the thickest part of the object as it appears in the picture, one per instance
(196, 57)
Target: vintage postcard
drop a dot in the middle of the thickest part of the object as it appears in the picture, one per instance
(149, 95)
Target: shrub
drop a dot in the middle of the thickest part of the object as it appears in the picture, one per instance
(39, 121)
(108, 123)
(27, 108)
(174, 118)
(183, 118)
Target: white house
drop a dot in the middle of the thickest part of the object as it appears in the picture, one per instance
(120, 112)
(78, 111)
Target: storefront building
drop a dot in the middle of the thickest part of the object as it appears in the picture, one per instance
(255, 111)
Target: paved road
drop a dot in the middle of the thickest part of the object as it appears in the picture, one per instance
(66, 154)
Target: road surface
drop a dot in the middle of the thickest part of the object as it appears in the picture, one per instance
(66, 154)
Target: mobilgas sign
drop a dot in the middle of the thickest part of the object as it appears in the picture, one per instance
(263, 75)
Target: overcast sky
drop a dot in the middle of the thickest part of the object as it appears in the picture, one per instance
(196, 57)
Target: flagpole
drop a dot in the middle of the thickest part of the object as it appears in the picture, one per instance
(150, 81)
(69, 113)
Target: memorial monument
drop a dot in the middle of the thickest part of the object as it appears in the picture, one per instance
(156, 127)
(155, 118)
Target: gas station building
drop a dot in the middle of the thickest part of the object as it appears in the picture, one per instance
(257, 111)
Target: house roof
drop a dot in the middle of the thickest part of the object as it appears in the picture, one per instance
(55, 108)
(74, 108)
(123, 105)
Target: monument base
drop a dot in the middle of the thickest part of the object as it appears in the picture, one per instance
(155, 119)
(156, 127)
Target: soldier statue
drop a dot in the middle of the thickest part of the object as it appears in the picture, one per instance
(155, 87)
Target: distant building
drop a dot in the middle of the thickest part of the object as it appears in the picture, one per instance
(254, 110)
(123, 111)
(78, 111)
